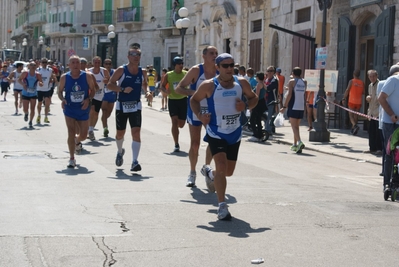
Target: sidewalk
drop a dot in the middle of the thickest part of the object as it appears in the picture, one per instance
(342, 142)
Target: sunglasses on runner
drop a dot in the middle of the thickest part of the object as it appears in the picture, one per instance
(225, 66)
(134, 54)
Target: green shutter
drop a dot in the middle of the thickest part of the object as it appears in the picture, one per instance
(108, 11)
(136, 3)
(72, 17)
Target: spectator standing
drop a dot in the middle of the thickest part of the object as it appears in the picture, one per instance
(271, 83)
(389, 101)
(374, 133)
(281, 82)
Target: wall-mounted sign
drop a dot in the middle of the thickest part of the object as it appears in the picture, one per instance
(359, 3)
(103, 39)
(86, 45)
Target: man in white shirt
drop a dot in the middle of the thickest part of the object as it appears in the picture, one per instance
(44, 92)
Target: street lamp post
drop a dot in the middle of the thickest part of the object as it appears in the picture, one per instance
(41, 42)
(24, 44)
(111, 35)
(320, 133)
(182, 24)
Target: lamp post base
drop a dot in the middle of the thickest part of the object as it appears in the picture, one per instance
(320, 133)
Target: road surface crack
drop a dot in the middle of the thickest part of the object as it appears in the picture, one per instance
(107, 251)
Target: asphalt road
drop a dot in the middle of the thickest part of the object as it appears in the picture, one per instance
(312, 209)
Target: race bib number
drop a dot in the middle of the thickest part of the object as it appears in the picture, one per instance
(99, 92)
(129, 107)
(203, 110)
(31, 90)
(77, 97)
(175, 85)
(230, 121)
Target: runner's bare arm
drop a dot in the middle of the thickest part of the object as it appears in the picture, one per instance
(188, 79)
(346, 94)
(164, 83)
(39, 78)
(21, 79)
(106, 76)
(204, 91)
(10, 77)
(113, 80)
(144, 85)
(60, 91)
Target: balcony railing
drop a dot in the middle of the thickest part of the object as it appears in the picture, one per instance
(102, 17)
(38, 18)
(166, 22)
(130, 14)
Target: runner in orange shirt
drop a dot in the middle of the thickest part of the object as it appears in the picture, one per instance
(355, 91)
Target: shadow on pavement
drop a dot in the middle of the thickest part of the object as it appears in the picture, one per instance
(26, 128)
(134, 177)
(235, 228)
(179, 154)
(75, 171)
(96, 144)
(41, 125)
(204, 198)
(107, 139)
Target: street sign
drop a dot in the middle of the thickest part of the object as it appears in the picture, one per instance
(321, 58)
(48, 49)
(71, 52)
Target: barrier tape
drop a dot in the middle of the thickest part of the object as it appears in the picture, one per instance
(349, 110)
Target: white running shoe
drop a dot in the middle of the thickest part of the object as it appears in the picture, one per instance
(91, 136)
(191, 180)
(223, 212)
(71, 163)
(205, 170)
(78, 148)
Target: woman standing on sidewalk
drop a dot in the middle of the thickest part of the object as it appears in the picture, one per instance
(296, 104)
(259, 109)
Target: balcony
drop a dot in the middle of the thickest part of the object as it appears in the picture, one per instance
(102, 18)
(37, 19)
(130, 14)
(52, 29)
(78, 30)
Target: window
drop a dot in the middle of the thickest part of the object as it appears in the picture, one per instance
(256, 25)
(303, 15)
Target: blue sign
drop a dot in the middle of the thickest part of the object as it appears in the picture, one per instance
(86, 43)
(321, 58)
